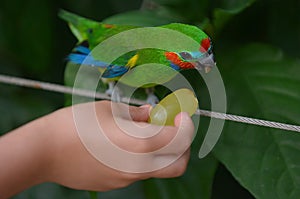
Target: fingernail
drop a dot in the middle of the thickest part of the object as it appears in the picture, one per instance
(181, 116)
(184, 114)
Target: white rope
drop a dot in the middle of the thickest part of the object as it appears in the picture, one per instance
(87, 93)
(61, 89)
(249, 120)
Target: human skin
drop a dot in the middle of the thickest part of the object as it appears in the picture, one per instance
(49, 149)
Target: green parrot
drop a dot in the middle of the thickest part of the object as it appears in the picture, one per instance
(128, 67)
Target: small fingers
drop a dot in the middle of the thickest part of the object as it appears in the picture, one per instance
(145, 138)
(182, 137)
(173, 158)
(177, 168)
(160, 151)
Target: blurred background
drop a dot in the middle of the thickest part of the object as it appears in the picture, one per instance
(256, 43)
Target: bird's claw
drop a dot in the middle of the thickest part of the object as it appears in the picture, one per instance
(152, 99)
(114, 92)
(116, 95)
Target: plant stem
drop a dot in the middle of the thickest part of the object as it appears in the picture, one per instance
(93, 194)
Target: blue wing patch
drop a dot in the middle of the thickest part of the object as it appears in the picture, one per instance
(114, 71)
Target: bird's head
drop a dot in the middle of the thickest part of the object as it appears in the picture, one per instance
(201, 59)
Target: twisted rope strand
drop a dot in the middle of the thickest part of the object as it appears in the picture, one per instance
(87, 93)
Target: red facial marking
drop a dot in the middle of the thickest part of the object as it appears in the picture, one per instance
(174, 58)
(205, 44)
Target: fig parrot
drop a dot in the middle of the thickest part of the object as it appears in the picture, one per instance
(90, 33)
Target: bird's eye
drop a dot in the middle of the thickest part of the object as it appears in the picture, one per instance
(90, 30)
(186, 55)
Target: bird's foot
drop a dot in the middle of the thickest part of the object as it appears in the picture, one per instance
(116, 95)
(110, 89)
(114, 92)
(152, 99)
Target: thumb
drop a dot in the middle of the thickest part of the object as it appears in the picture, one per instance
(140, 114)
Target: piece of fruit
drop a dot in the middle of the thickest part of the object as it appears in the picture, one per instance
(181, 100)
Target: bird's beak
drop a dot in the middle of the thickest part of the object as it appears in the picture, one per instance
(205, 63)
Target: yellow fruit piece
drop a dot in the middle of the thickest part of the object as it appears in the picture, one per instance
(182, 100)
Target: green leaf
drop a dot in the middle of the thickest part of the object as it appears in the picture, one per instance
(263, 83)
(225, 10)
(282, 25)
(191, 11)
(28, 32)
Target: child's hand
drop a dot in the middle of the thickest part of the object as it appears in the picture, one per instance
(50, 149)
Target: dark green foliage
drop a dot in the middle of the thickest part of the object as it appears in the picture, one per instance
(257, 51)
